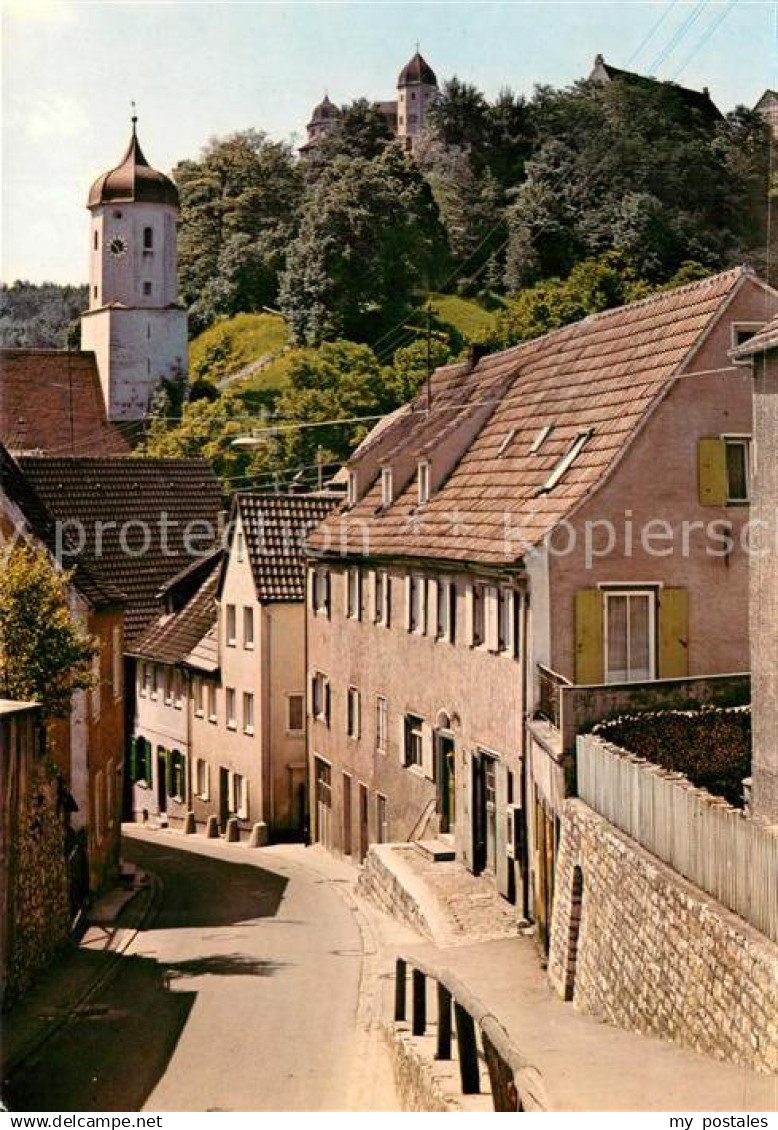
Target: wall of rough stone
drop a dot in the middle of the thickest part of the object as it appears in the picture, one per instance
(36, 904)
(655, 954)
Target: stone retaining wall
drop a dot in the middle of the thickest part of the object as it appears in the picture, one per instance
(649, 952)
(388, 884)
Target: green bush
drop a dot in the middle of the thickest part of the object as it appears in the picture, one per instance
(711, 746)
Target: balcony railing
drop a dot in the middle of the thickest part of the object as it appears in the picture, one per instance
(550, 695)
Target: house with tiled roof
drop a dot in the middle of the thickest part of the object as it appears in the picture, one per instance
(219, 724)
(699, 101)
(566, 513)
(88, 746)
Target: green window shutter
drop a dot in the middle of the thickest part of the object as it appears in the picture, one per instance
(673, 633)
(589, 646)
(712, 472)
(133, 760)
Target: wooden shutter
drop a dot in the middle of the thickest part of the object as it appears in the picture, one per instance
(427, 751)
(673, 634)
(469, 634)
(491, 612)
(133, 760)
(589, 643)
(712, 472)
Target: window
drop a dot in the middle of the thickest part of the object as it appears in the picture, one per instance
(117, 676)
(416, 612)
(321, 591)
(387, 489)
(353, 711)
(231, 629)
(248, 628)
(567, 460)
(352, 488)
(424, 482)
(743, 332)
(479, 615)
(737, 450)
(354, 594)
(382, 819)
(154, 680)
(443, 628)
(199, 696)
(232, 722)
(212, 715)
(506, 443)
(202, 779)
(177, 775)
(144, 680)
(248, 712)
(382, 594)
(96, 240)
(541, 438)
(239, 796)
(320, 697)
(295, 722)
(148, 239)
(629, 636)
(505, 620)
(381, 724)
(413, 739)
(178, 689)
(147, 288)
(168, 686)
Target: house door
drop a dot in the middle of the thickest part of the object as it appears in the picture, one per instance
(446, 781)
(484, 812)
(224, 797)
(346, 814)
(323, 779)
(363, 822)
(161, 781)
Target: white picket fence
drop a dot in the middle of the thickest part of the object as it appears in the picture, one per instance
(713, 845)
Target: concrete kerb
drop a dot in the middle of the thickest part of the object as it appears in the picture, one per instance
(527, 1077)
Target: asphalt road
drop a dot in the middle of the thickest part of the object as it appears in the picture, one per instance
(240, 993)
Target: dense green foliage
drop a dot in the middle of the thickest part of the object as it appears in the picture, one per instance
(235, 344)
(40, 316)
(711, 746)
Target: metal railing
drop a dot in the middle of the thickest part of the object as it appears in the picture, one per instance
(550, 695)
(461, 1019)
(715, 846)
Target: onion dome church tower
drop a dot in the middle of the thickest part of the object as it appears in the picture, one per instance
(135, 324)
(417, 88)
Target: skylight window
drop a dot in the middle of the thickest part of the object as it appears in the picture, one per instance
(506, 442)
(567, 460)
(541, 438)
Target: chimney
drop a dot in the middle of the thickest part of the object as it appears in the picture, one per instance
(476, 351)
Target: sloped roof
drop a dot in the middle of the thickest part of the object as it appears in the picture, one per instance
(276, 527)
(172, 505)
(766, 339)
(417, 71)
(15, 486)
(133, 179)
(172, 637)
(601, 376)
(699, 100)
(51, 403)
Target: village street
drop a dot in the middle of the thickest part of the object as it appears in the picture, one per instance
(249, 986)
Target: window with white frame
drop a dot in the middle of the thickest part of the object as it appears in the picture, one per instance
(382, 597)
(413, 734)
(239, 796)
(381, 724)
(248, 628)
(212, 714)
(387, 487)
(354, 594)
(423, 477)
(567, 460)
(738, 457)
(230, 709)
(202, 779)
(630, 618)
(416, 603)
(320, 694)
(505, 599)
(321, 590)
(230, 625)
(248, 712)
(295, 719)
(177, 774)
(353, 711)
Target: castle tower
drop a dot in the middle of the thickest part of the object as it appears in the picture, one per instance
(134, 324)
(324, 119)
(417, 88)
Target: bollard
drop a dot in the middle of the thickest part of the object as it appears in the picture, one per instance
(233, 831)
(258, 835)
(212, 828)
(444, 1023)
(399, 991)
(468, 1051)
(190, 827)
(419, 1025)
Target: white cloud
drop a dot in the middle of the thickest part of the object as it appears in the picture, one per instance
(55, 115)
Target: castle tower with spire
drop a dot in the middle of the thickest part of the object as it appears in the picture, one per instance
(135, 324)
(417, 87)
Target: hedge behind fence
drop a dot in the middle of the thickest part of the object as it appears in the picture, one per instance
(711, 746)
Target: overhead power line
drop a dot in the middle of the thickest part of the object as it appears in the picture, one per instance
(651, 32)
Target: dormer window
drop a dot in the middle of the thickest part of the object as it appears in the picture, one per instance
(743, 332)
(424, 482)
(387, 489)
(541, 438)
(351, 495)
(567, 460)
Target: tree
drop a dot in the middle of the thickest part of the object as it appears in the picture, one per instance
(361, 130)
(41, 316)
(370, 240)
(45, 655)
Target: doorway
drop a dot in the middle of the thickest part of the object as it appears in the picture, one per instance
(445, 776)
(323, 788)
(484, 812)
(363, 822)
(161, 781)
(224, 797)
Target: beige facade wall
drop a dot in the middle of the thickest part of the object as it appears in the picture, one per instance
(161, 718)
(471, 692)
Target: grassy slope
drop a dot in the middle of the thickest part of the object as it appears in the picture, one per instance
(237, 342)
(473, 320)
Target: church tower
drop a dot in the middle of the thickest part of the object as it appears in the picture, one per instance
(135, 324)
(417, 88)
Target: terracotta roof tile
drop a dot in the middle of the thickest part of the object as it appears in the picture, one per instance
(600, 375)
(276, 528)
(176, 634)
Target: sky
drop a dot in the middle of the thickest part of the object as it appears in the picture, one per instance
(199, 69)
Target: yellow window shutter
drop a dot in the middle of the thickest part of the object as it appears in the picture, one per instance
(589, 648)
(712, 472)
(673, 633)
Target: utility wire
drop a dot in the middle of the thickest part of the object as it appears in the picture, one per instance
(705, 37)
(652, 31)
(680, 35)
